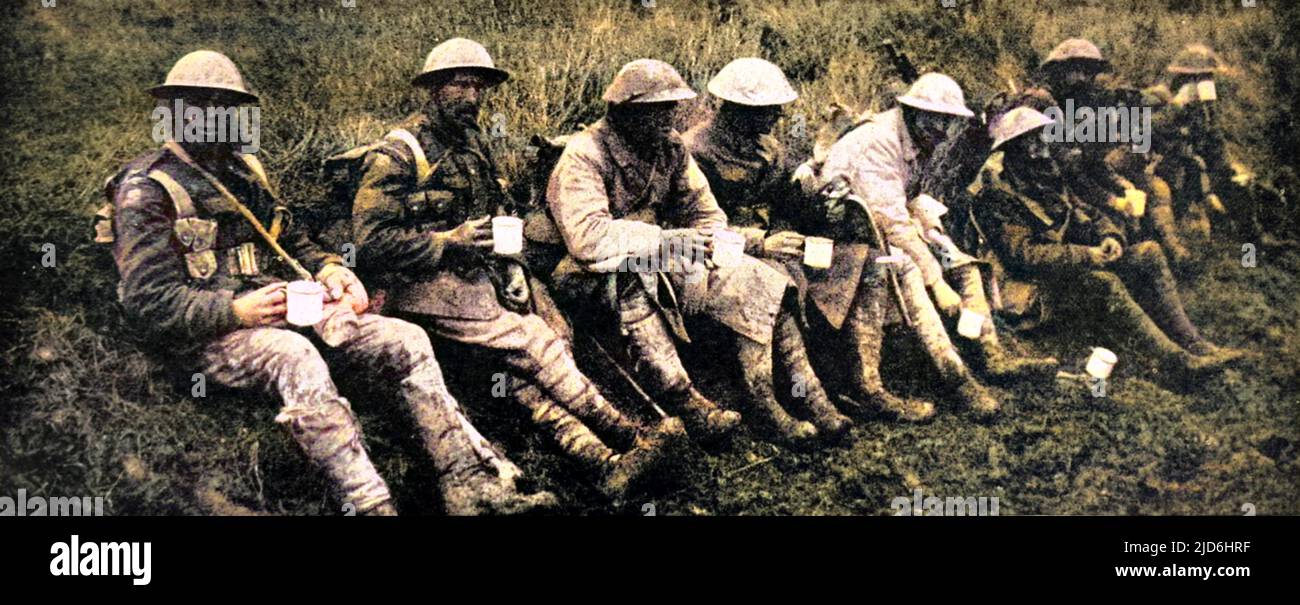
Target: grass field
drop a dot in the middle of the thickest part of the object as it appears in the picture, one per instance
(83, 412)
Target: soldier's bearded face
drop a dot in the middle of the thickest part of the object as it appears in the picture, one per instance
(932, 128)
(461, 95)
(1029, 149)
(749, 121)
(648, 124)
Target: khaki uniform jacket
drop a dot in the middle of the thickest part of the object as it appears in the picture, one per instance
(879, 160)
(394, 217)
(611, 206)
(157, 258)
(1038, 230)
(753, 184)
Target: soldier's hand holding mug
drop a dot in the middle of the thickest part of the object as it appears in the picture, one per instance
(261, 307)
(947, 299)
(784, 244)
(474, 234)
(690, 244)
(339, 281)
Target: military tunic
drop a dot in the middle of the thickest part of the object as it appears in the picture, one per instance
(1041, 232)
(454, 293)
(611, 205)
(178, 280)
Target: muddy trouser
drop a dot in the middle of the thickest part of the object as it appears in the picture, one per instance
(970, 284)
(655, 352)
(1145, 272)
(926, 320)
(546, 378)
(287, 363)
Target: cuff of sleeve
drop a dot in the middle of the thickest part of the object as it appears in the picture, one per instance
(331, 260)
(224, 319)
(753, 240)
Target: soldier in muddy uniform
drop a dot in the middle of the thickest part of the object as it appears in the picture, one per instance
(1105, 174)
(638, 219)
(421, 221)
(752, 177)
(203, 249)
(1205, 182)
(880, 162)
(1041, 233)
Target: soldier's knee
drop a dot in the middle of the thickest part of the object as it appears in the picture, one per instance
(290, 348)
(408, 340)
(1105, 283)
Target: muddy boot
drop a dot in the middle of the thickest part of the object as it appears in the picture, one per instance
(1226, 355)
(331, 438)
(652, 348)
(1129, 319)
(756, 368)
(704, 420)
(789, 349)
(558, 375)
(482, 493)
(966, 390)
(616, 473)
(625, 472)
(475, 479)
(865, 331)
(1001, 367)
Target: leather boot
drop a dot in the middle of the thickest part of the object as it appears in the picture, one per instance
(625, 472)
(787, 341)
(475, 479)
(616, 473)
(704, 419)
(965, 389)
(650, 344)
(865, 330)
(558, 375)
(330, 437)
(1001, 367)
(756, 369)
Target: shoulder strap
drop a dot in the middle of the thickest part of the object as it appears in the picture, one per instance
(422, 167)
(255, 166)
(180, 198)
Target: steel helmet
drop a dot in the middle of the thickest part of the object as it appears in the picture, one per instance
(460, 53)
(938, 93)
(1006, 126)
(752, 81)
(1077, 49)
(204, 69)
(1196, 59)
(647, 81)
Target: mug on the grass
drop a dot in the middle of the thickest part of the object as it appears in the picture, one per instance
(817, 252)
(728, 248)
(971, 324)
(1101, 363)
(305, 302)
(507, 235)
